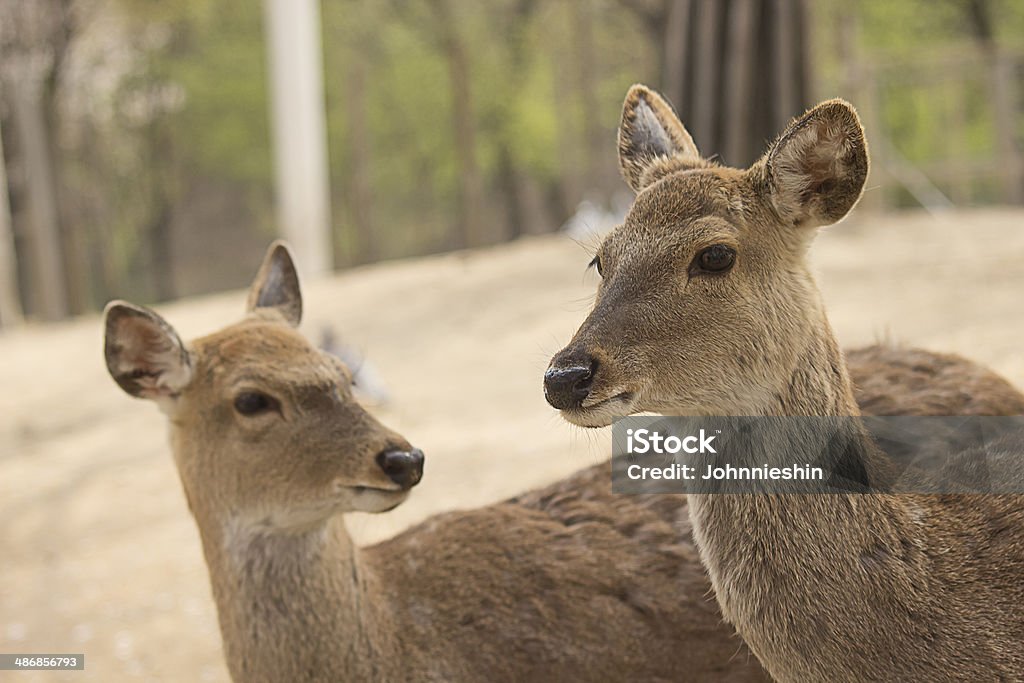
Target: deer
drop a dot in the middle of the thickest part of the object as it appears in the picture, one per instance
(272, 451)
(564, 583)
(707, 306)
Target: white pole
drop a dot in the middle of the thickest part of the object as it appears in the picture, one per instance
(297, 113)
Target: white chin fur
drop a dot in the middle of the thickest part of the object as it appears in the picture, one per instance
(376, 500)
(600, 415)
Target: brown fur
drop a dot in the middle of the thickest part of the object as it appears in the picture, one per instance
(564, 583)
(899, 381)
(822, 588)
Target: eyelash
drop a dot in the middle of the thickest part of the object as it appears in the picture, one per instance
(595, 263)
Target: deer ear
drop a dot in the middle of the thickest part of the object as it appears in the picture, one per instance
(276, 286)
(650, 134)
(144, 354)
(815, 171)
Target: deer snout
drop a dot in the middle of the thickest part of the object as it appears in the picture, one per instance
(405, 468)
(568, 379)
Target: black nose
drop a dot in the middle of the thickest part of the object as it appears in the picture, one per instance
(567, 381)
(405, 468)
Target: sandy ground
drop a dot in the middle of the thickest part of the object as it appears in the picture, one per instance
(99, 555)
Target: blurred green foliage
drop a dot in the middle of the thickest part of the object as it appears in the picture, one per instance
(184, 156)
(928, 66)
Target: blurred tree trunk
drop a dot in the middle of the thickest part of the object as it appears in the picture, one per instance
(163, 183)
(33, 52)
(10, 298)
(95, 211)
(509, 176)
(702, 108)
(735, 70)
(73, 238)
(979, 20)
(49, 293)
(463, 126)
(510, 181)
(593, 140)
(576, 90)
(570, 158)
(523, 216)
(675, 50)
(741, 40)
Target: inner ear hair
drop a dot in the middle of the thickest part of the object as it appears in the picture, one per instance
(652, 140)
(276, 286)
(817, 168)
(143, 353)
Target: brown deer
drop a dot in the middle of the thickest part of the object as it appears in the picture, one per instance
(707, 307)
(568, 582)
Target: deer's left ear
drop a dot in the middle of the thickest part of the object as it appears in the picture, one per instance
(652, 139)
(815, 172)
(276, 287)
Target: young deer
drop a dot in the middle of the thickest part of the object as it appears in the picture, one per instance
(564, 583)
(707, 307)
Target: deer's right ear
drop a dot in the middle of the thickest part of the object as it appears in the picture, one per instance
(144, 354)
(276, 286)
(652, 139)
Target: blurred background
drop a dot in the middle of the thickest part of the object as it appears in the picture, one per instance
(145, 154)
(441, 169)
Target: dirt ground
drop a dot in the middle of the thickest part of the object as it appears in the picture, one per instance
(98, 553)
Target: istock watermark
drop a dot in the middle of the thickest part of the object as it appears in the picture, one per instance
(818, 455)
(642, 441)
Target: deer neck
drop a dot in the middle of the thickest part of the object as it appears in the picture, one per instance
(771, 558)
(292, 603)
(818, 383)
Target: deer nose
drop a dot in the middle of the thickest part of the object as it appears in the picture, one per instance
(405, 468)
(567, 384)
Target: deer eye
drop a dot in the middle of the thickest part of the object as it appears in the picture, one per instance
(251, 403)
(717, 258)
(596, 264)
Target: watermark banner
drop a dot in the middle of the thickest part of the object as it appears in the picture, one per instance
(902, 454)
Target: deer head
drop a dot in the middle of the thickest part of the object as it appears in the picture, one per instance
(706, 304)
(263, 424)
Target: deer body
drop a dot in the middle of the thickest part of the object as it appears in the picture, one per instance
(556, 599)
(566, 583)
(707, 307)
(868, 587)
(892, 380)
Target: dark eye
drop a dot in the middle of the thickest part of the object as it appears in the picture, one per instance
(254, 402)
(715, 259)
(596, 263)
